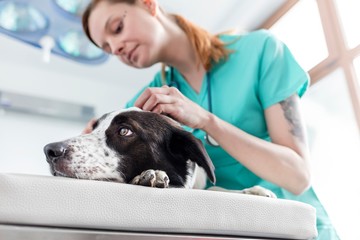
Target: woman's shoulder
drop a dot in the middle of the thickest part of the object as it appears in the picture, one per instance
(260, 34)
(258, 37)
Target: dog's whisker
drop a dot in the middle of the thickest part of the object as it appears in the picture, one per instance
(122, 175)
(103, 165)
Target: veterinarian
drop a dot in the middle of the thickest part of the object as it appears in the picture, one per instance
(239, 94)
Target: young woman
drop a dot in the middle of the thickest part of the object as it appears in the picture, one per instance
(239, 94)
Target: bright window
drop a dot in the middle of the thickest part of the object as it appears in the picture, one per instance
(357, 68)
(302, 31)
(334, 146)
(350, 18)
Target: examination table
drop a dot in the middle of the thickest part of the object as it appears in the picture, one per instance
(52, 208)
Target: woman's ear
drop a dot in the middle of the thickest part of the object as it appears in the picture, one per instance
(151, 5)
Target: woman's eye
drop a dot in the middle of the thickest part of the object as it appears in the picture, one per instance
(119, 27)
(125, 132)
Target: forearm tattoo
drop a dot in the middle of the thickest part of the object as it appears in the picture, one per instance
(291, 113)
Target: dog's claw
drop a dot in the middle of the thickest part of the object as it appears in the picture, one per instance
(152, 178)
(260, 191)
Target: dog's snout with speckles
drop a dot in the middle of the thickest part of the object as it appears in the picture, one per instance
(86, 156)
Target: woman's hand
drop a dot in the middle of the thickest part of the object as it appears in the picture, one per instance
(89, 126)
(170, 101)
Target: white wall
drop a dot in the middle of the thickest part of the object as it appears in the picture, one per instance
(105, 86)
(23, 136)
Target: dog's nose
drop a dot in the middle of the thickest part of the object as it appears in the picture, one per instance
(54, 151)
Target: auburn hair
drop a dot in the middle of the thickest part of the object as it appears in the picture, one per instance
(208, 47)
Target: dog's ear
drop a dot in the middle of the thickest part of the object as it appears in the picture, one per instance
(183, 145)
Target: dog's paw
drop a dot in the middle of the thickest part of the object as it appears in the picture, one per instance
(260, 191)
(152, 178)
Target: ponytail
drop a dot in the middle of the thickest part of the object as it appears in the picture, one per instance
(208, 47)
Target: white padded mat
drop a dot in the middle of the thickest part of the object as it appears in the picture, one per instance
(63, 202)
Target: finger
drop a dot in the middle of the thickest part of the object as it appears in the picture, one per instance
(168, 109)
(147, 94)
(156, 99)
(86, 130)
(89, 126)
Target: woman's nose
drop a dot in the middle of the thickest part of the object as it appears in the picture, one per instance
(116, 47)
(117, 51)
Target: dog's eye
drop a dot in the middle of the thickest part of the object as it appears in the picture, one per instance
(125, 132)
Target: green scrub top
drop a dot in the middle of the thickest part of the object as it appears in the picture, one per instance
(260, 72)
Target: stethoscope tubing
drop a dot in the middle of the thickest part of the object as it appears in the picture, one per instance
(209, 140)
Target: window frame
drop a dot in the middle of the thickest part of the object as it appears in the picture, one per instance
(340, 56)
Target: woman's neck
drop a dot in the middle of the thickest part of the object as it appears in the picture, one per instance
(180, 54)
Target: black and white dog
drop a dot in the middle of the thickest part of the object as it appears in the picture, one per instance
(137, 147)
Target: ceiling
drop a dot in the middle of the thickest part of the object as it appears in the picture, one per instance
(222, 15)
(214, 15)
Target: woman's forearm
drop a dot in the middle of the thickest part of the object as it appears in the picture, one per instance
(278, 164)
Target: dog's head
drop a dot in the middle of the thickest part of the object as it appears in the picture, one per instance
(125, 143)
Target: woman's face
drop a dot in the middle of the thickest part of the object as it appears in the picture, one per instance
(130, 32)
